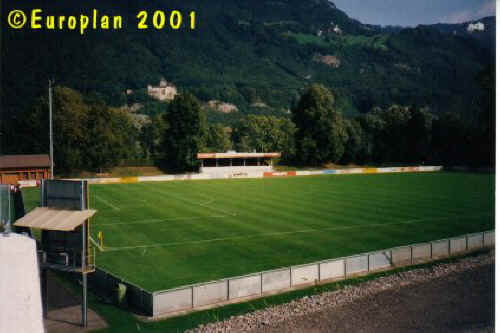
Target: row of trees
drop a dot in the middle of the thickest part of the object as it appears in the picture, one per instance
(88, 135)
(317, 134)
(91, 136)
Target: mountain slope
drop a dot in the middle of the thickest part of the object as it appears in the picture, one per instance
(243, 52)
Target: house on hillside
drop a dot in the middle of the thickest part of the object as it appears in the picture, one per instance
(14, 168)
(164, 92)
(479, 26)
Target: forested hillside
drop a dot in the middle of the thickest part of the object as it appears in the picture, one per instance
(259, 55)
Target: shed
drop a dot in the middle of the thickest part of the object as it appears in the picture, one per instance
(14, 168)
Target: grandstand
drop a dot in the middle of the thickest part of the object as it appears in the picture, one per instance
(234, 164)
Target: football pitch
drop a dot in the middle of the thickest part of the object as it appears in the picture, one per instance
(164, 235)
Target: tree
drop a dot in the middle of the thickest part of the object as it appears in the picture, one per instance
(150, 137)
(355, 143)
(449, 139)
(265, 133)
(418, 132)
(69, 128)
(185, 128)
(217, 139)
(320, 133)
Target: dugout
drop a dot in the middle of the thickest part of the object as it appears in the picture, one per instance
(236, 163)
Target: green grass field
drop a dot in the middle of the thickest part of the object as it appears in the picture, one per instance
(163, 235)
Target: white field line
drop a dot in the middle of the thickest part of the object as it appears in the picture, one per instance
(164, 220)
(107, 203)
(95, 243)
(206, 204)
(123, 248)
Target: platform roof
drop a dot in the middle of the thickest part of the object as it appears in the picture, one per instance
(54, 219)
(204, 156)
(24, 161)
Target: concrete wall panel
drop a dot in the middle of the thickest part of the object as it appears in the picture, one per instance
(474, 241)
(276, 280)
(489, 238)
(210, 293)
(458, 245)
(380, 260)
(421, 251)
(401, 255)
(175, 300)
(332, 269)
(440, 249)
(304, 274)
(357, 264)
(245, 286)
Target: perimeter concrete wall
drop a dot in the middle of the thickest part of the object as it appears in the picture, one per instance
(241, 172)
(245, 286)
(215, 293)
(440, 248)
(276, 280)
(489, 239)
(334, 269)
(474, 241)
(458, 245)
(357, 264)
(210, 293)
(401, 255)
(421, 252)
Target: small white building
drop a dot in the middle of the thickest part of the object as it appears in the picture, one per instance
(479, 26)
(164, 92)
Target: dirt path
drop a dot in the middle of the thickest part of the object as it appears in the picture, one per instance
(452, 297)
(459, 302)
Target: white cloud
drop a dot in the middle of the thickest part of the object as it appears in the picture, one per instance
(487, 9)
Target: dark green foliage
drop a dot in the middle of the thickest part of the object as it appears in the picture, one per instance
(241, 52)
(182, 139)
(86, 136)
(265, 134)
(320, 133)
(356, 142)
(150, 138)
(111, 137)
(217, 139)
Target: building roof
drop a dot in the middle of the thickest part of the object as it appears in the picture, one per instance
(24, 161)
(203, 156)
(54, 219)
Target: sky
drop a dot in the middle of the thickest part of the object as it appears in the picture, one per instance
(414, 12)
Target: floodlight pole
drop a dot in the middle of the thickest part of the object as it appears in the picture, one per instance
(50, 129)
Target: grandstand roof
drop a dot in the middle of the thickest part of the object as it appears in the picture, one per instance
(24, 161)
(204, 156)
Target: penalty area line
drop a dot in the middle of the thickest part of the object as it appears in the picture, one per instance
(107, 203)
(152, 221)
(416, 221)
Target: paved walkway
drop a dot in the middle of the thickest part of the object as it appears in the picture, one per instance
(65, 311)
